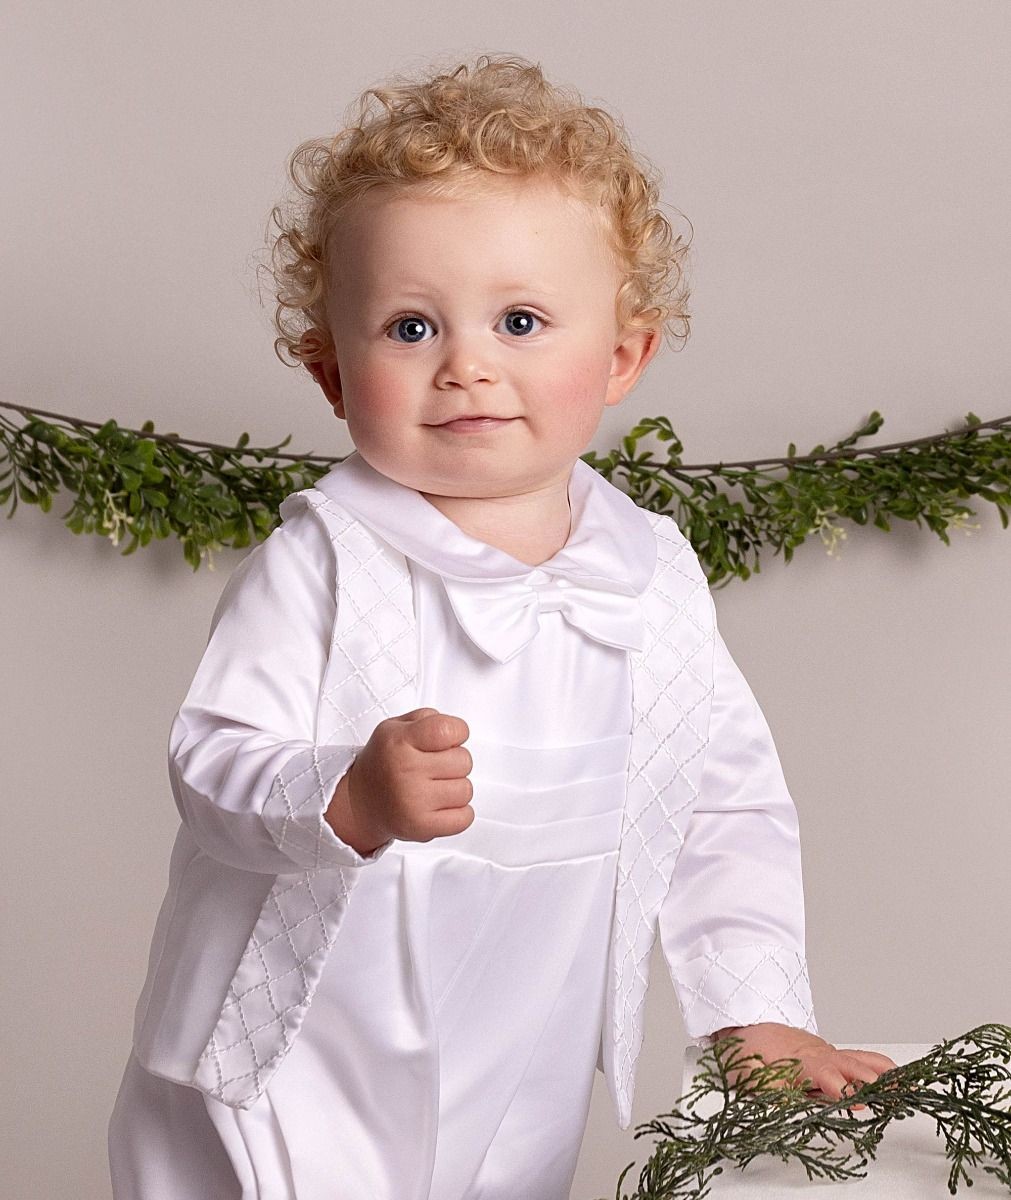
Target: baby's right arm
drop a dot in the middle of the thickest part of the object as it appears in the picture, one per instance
(249, 780)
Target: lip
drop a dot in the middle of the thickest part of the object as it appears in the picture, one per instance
(474, 424)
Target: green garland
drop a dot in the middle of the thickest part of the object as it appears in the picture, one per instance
(958, 1089)
(150, 485)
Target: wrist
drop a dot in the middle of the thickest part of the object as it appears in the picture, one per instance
(727, 1031)
(344, 818)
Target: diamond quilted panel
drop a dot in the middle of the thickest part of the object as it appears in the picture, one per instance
(374, 657)
(743, 985)
(673, 698)
(298, 798)
(670, 730)
(370, 675)
(274, 983)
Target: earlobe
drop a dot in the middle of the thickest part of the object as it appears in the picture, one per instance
(325, 371)
(631, 357)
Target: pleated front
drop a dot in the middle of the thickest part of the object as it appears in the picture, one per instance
(453, 1038)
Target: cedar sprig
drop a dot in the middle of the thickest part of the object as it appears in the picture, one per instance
(959, 1088)
(148, 485)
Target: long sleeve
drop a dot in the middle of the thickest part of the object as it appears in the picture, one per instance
(249, 780)
(732, 924)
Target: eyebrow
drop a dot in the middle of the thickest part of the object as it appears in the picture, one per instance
(529, 288)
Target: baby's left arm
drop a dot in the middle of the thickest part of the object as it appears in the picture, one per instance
(732, 924)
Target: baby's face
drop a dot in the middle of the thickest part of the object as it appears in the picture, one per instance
(499, 304)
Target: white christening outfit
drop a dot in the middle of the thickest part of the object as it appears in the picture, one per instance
(424, 1023)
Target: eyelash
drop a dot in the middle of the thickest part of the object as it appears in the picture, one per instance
(402, 316)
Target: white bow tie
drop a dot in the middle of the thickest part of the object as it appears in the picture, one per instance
(502, 616)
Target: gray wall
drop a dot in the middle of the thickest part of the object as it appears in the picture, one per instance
(847, 171)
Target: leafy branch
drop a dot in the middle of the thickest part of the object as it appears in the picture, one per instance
(957, 1088)
(148, 485)
(914, 480)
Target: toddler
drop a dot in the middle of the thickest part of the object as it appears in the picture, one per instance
(465, 739)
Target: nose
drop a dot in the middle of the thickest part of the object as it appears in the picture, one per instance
(464, 362)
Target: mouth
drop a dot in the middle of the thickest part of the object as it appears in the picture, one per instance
(473, 424)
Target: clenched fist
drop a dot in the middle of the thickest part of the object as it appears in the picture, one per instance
(409, 782)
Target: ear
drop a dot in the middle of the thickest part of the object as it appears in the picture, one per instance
(325, 370)
(631, 356)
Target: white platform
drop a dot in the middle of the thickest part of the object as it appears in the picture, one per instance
(910, 1162)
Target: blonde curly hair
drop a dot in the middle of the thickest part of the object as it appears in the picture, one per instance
(440, 134)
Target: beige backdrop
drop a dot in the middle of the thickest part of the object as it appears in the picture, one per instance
(847, 171)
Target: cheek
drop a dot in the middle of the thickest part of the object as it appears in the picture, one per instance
(377, 391)
(578, 392)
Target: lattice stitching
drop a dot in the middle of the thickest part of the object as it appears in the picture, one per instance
(633, 915)
(215, 1049)
(318, 800)
(791, 1002)
(234, 1033)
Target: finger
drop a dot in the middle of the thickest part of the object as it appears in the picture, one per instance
(857, 1068)
(449, 821)
(881, 1061)
(832, 1083)
(438, 731)
(869, 1061)
(455, 763)
(855, 1079)
(871, 1055)
(454, 793)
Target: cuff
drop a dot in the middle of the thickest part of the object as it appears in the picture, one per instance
(743, 985)
(300, 795)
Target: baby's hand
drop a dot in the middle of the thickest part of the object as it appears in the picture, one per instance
(410, 779)
(826, 1069)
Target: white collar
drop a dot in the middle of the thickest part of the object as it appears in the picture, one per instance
(611, 541)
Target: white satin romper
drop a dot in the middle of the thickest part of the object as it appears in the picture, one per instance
(450, 1048)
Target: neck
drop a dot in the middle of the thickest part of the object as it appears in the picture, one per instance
(531, 527)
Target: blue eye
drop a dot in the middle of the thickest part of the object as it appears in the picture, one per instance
(523, 315)
(411, 324)
(404, 322)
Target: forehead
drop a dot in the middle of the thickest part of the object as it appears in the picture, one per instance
(506, 235)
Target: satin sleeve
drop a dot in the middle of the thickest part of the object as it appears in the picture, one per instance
(732, 925)
(249, 780)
